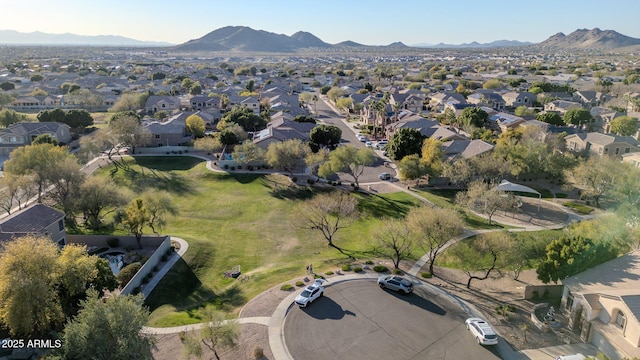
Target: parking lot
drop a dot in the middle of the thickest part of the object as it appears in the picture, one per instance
(358, 320)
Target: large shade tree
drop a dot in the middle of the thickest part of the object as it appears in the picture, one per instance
(405, 141)
(347, 159)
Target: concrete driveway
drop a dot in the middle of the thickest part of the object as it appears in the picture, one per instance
(358, 320)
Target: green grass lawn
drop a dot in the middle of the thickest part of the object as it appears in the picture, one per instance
(241, 219)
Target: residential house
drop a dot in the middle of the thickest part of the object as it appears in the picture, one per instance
(519, 98)
(428, 128)
(458, 108)
(561, 106)
(487, 98)
(465, 148)
(602, 117)
(250, 102)
(601, 144)
(201, 102)
(633, 102)
(170, 132)
(37, 219)
(439, 100)
(603, 305)
(504, 121)
(22, 103)
(282, 128)
(23, 133)
(589, 98)
(632, 158)
(157, 103)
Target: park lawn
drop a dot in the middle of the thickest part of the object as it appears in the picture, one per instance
(446, 199)
(239, 219)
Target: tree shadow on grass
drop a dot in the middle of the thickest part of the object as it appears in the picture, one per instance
(167, 163)
(146, 178)
(182, 289)
(380, 206)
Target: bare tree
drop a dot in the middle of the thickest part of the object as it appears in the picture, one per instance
(434, 228)
(392, 240)
(327, 214)
(483, 198)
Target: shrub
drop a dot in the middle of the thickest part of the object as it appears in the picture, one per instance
(294, 179)
(535, 295)
(579, 208)
(545, 294)
(346, 267)
(329, 272)
(316, 276)
(250, 168)
(258, 352)
(113, 242)
(239, 167)
(144, 260)
(127, 273)
(182, 335)
(163, 258)
(226, 166)
(127, 248)
(233, 168)
(397, 271)
(170, 250)
(310, 181)
(357, 269)
(426, 274)
(145, 280)
(136, 291)
(380, 268)
(369, 262)
(155, 268)
(286, 287)
(299, 283)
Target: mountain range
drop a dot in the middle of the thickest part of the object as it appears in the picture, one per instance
(246, 39)
(11, 37)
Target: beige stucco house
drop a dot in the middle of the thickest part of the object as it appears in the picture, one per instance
(601, 144)
(603, 305)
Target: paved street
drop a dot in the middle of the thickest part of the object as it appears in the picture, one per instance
(328, 116)
(358, 320)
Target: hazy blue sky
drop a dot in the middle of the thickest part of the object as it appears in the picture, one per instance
(372, 22)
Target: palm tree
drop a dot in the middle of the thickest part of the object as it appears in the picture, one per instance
(315, 104)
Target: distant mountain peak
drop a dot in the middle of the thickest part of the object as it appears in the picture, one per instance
(12, 37)
(589, 39)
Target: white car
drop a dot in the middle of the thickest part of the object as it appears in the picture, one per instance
(397, 283)
(381, 144)
(310, 294)
(385, 176)
(368, 144)
(482, 331)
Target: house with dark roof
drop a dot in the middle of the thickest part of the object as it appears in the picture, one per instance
(37, 219)
(465, 148)
(23, 133)
(603, 306)
(561, 106)
(282, 128)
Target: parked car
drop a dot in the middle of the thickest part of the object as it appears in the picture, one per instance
(577, 356)
(385, 176)
(368, 144)
(482, 331)
(397, 283)
(310, 294)
(381, 144)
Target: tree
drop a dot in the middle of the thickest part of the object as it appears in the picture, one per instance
(325, 135)
(40, 284)
(7, 86)
(158, 206)
(473, 116)
(483, 198)
(195, 125)
(40, 161)
(130, 102)
(344, 104)
(228, 138)
(44, 139)
(552, 118)
(492, 84)
(477, 255)
(523, 110)
(328, 213)
(209, 144)
(30, 306)
(135, 218)
(247, 153)
(66, 179)
(78, 119)
(304, 119)
(348, 159)
(596, 176)
(568, 256)
(16, 191)
(624, 125)
(218, 333)
(432, 155)
(577, 117)
(8, 117)
(55, 115)
(434, 227)
(287, 154)
(108, 329)
(392, 240)
(411, 168)
(405, 141)
(244, 117)
(99, 196)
